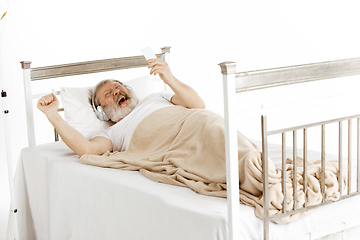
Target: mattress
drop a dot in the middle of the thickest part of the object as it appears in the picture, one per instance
(58, 197)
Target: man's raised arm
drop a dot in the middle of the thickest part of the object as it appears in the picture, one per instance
(49, 105)
(184, 94)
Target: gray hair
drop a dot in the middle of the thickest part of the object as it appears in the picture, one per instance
(93, 99)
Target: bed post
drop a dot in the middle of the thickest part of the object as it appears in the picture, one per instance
(166, 57)
(166, 52)
(228, 70)
(265, 175)
(25, 65)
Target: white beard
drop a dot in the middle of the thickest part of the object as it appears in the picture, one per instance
(117, 112)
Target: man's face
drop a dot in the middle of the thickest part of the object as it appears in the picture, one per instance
(116, 100)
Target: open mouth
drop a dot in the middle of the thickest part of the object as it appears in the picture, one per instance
(122, 98)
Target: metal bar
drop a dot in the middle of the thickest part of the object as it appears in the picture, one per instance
(28, 103)
(166, 54)
(323, 162)
(305, 170)
(311, 125)
(265, 176)
(283, 146)
(295, 168)
(166, 57)
(79, 68)
(56, 135)
(340, 158)
(231, 151)
(253, 80)
(349, 156)
(280, 215)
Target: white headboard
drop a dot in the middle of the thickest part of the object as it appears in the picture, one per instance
(72, 69)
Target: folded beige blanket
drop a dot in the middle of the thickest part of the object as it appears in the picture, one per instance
(186, 147)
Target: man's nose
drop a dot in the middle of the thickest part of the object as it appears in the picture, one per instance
(116, 92)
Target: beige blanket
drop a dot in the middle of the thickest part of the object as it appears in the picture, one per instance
(185, 147)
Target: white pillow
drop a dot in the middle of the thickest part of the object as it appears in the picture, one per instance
(143, 86)
(79, 113)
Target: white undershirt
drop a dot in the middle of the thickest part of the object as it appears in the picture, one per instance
(120, 133)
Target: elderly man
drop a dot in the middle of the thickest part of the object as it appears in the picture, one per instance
(113, 101)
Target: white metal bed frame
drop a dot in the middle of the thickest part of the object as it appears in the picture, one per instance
(233, 83)
(253, 80)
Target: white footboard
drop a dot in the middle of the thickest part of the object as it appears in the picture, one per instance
(253, 80)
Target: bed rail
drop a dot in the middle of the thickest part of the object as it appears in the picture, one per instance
(350, 191)
(73, 69)
(259, 79)
(234, 82)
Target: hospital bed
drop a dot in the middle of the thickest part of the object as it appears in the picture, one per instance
(58, 197)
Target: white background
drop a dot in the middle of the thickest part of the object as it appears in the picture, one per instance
(255, 34)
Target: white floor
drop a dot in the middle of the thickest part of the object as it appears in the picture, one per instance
(4, 213)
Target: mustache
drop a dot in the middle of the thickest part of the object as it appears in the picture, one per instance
(122, 95)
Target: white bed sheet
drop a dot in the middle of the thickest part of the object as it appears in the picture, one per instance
(58, 197)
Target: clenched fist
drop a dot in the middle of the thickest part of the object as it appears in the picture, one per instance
(48, 104)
